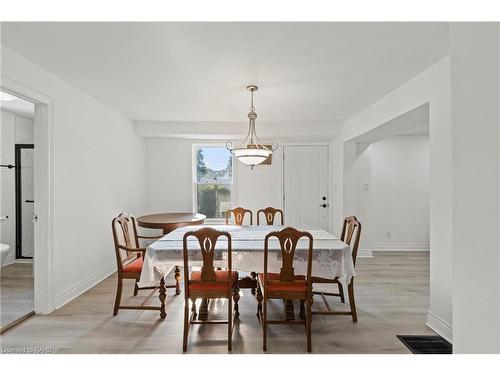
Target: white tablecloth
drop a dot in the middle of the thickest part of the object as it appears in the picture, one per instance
(331, 257)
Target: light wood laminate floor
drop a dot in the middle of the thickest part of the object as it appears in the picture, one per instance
(391, 288)
(16, 292)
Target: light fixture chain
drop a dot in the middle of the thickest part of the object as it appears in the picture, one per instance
(252, 107)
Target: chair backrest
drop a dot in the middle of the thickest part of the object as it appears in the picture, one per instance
(207, 239)
(270, 214)
(239, 215)
(125, 234)
(351, 233)
(288, 239)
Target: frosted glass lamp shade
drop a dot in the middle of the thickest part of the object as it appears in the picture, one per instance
(252, 156)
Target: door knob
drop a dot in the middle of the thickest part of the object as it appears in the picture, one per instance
(324, 198)
(324, 205)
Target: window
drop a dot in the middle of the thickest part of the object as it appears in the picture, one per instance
(213, 180)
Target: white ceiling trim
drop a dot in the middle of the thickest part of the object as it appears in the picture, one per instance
(220, 130)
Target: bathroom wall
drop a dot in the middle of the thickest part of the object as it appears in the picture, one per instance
(13, 129)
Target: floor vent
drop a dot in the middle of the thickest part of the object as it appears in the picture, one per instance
(426, 344)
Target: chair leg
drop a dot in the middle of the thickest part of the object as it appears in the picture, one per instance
(229, 323)
(177, 280)
(302, 314)
(186, 325)
(264, 326)
(341, 292)
(259, 302)
(136, 287)
(351, 301)
(308, 324)
(193, 308)
(118, 298)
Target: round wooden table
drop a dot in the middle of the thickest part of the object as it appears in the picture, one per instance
(170, 221)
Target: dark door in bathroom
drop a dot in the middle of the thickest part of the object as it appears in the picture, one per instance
(24, 201)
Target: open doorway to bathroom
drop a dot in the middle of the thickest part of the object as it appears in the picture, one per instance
(16, 209)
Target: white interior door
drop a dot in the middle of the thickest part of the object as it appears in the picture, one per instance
(305, 186)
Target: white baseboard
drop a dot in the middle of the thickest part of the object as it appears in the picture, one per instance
(400, 246)
(365, 253)
(438, 325)
(84, 285)
(23, 261)
(10, 259)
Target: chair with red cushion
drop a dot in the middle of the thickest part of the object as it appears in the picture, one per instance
(129, 258)
(209, 283)
(286, 285)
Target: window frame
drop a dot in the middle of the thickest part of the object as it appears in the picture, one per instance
(195, 184)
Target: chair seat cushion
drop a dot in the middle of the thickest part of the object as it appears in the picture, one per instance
(299, 285)
(220, 275)
(135, 266)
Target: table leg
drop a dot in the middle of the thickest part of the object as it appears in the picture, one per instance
(236, 298)
(163, 297)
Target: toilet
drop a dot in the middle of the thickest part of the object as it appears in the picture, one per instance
(4, 251)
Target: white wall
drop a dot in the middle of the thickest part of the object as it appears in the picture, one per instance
(98, 173)
(13, 129)
(399, 191)
(475, 88)
(432, 86)
(391, 179)
(169, 178)
(168, 175)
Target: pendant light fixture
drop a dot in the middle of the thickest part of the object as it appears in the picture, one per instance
(251, 151)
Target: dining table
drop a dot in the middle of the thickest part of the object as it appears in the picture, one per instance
(332, 258)
(168, 221)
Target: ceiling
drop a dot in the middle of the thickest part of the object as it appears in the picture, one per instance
(309, 74)
(19, 107)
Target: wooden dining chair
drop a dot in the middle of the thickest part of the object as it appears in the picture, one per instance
(270, 214)
(130, 257)
(351, 233)
(239, 215)
(285, 285)
(209, 282)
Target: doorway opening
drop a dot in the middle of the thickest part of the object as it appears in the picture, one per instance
(17, 177)
(43, 207)
(387, 184)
